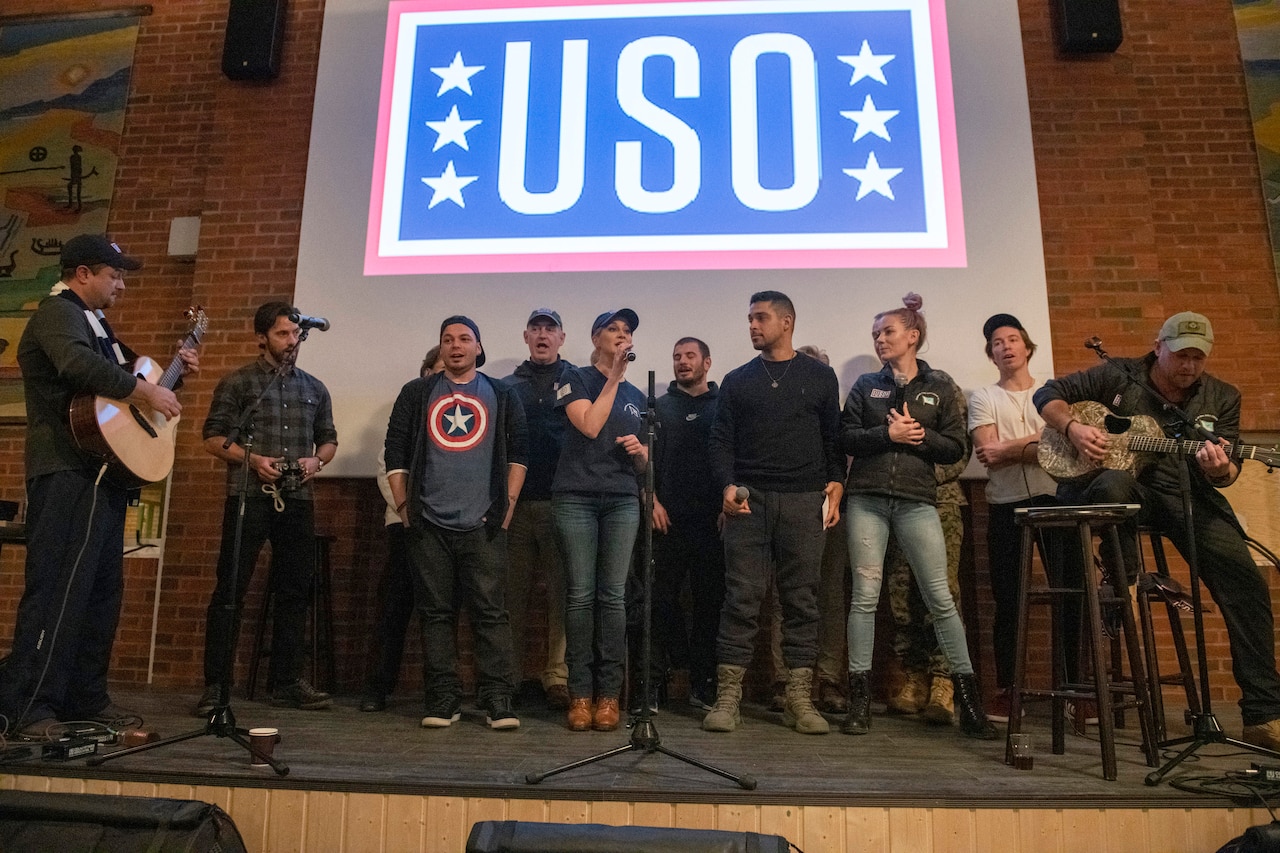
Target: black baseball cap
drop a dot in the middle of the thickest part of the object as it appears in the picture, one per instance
(90, 249)
(471, 324)
(999, 321)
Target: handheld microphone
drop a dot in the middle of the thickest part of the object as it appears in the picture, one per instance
(742, 494)
(900, 381)
(631, 356)
(320, 324)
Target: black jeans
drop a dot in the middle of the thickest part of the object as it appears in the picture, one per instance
(395, 609)
(783, 534)
(293, 562)
(1227, 569)
(691, 547)
(455, 569)
(77, 639)
(1060, 549)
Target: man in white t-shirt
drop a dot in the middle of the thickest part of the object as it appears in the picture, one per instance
(1006, 429)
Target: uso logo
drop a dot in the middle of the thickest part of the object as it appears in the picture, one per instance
(667, 135)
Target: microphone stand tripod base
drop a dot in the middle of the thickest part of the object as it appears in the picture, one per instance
(1205, 730)
(221, 723)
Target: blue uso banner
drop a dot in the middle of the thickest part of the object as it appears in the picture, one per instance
(673, 135)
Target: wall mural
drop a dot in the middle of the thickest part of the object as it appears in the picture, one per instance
(63, 89)
(1258, 27)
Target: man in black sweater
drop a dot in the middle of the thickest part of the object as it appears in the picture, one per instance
(774, 457)
(685, 511)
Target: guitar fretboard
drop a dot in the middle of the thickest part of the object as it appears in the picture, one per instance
(1154, 444)
(172, 373)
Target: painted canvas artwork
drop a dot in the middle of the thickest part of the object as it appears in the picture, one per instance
(63, 89)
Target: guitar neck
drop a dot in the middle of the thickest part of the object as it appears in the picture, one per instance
(1153, 444)
(172, 373)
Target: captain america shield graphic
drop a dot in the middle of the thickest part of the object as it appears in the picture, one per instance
(457, 422)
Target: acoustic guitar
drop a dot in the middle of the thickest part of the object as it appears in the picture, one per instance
(1133, 439)
(137, 448)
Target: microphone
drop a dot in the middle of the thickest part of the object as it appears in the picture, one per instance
(1094, 343)
(900, 390)
(742, 494)
(631, 356)
(320, 324)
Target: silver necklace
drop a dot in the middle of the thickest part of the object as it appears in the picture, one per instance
(774, 382)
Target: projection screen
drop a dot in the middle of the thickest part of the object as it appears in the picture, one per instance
(489, 157)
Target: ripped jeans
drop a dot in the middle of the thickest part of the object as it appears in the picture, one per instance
(919, 533)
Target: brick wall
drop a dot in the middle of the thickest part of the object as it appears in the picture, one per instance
(1150, 202)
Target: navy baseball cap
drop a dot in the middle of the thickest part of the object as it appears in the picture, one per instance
(89, 249)
(548, 313)
(633, 320)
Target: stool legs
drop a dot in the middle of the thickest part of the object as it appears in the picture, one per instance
(1185, 676)
(1100, 651)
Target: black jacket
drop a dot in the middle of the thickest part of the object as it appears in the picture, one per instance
(681, 465)
(405, 443)
(546, 425)
(883, 467)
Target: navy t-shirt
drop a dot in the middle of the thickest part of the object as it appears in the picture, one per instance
(598, 465)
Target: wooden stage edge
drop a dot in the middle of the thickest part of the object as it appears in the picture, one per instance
(377, 783)
(287, 819)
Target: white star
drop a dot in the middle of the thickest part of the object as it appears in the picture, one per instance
(456, 75)
(865, 64)
(873, 179)
(448, 187)
(458, 420)
(869, 120)
(454, 129)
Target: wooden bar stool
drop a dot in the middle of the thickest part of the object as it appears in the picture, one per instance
(1105, 520)
(1159, 586)
(322, 660)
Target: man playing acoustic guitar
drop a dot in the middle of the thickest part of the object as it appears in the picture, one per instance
(1176, 368)
(70, 606)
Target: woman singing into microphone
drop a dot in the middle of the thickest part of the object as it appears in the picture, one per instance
(897, 424)
(596, 507)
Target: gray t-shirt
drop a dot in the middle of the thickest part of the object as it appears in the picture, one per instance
(459, 457)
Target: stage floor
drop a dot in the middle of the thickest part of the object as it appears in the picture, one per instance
(902, 763)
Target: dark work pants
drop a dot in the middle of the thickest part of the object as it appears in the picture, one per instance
(783, 534)
(454, 569)
(293, 561)
(1227, 569)
(1061, 549)
(690, 548)
(75, 641)
(395, 609)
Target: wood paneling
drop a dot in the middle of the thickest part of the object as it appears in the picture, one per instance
(331, 822)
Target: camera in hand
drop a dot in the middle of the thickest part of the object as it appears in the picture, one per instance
(291, 476)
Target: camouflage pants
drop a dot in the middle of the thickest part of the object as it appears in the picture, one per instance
(914, 641)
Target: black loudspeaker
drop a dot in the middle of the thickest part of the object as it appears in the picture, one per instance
(255, 38)
(39, 821)
(513, 836)
(1089, 26)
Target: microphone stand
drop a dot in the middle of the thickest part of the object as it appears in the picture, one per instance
(222, 721)
(1205, 727)
(644, 733)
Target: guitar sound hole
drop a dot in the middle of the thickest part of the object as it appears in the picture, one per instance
(1116, 424)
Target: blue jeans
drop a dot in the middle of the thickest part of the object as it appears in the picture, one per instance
(919, 533)
(597, 534)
